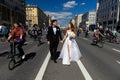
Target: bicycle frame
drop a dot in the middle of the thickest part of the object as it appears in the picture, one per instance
(13, 60)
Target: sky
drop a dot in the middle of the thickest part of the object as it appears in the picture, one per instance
(64, 10)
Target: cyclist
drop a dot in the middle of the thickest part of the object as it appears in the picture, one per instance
(97, 34)
(108, 33)
(114, 34)
(34, 31)
(87, 32)
(17, 35)
(39, 35)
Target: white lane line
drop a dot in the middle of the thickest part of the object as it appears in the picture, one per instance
(118, 62)
(116, 50)
(84, 71)
(85, 39)
(43, 68)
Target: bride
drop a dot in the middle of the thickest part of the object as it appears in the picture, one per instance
(70, 50)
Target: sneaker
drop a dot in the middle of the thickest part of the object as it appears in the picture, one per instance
(23, 57)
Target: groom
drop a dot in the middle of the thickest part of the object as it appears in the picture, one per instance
(53, 36)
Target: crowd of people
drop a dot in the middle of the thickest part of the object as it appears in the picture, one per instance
(4, 30)
(35, 32)
(18, 35)
(111, 35)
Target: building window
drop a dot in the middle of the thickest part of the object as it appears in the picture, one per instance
(112, 8)
(115, 7)
(115, 14)
(112, 15)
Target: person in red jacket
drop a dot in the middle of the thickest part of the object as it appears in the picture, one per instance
(17, 35)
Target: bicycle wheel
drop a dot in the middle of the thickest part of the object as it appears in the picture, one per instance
(117, 41)
(100, 44)
(11, 64)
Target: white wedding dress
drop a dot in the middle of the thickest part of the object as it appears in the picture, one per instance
(74, 52)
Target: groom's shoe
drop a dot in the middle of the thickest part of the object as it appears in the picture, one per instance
(55, 61)
(52, 58)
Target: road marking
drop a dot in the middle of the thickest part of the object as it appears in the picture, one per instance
(43, 68)
(118, 62)
(116, 50)
(85, 39)
(84, 71)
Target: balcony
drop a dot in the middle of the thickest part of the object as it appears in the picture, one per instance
(2, 1)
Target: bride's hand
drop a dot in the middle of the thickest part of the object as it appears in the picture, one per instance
(61, 41)
(48, 42)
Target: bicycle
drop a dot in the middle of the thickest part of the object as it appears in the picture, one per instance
(39, 40)
(118, 40)
(15, 59)
(3, 39)
(99, 42)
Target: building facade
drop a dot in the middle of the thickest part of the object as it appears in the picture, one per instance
(88, 19)
(34, 15)
(77, 20)
(73, 22)
(108, 13)
(11, 11)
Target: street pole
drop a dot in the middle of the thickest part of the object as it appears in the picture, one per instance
(11, 17)
(118, 13)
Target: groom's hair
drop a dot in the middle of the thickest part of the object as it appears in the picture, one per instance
(53, 21)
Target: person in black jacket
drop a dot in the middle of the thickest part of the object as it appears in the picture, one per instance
(53, 37)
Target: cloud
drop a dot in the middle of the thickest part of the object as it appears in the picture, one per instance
(59, 15)
(83, 3)
(62, 17)
(69, 4)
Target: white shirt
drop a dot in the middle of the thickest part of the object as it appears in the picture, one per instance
(95, 30)
(54, 30)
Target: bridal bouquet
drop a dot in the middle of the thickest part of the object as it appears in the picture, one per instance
(72, 36)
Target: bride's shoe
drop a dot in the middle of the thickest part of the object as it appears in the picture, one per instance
(69, 58)
(66, 64)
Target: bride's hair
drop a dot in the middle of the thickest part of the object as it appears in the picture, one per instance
(72, 27)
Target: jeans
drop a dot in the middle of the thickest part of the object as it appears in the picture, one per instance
(19, 45)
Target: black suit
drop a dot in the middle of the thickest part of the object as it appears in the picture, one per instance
(54, 40)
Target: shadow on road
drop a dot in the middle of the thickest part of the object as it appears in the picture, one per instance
(27, 57)
(57, 54)
(3, 54)
(30, 56)
(41, 44)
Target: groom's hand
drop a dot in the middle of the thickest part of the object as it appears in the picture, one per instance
(48, 42)
(61, 41)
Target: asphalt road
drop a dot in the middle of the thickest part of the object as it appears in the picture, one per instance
(28, 70)
(100, 63)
